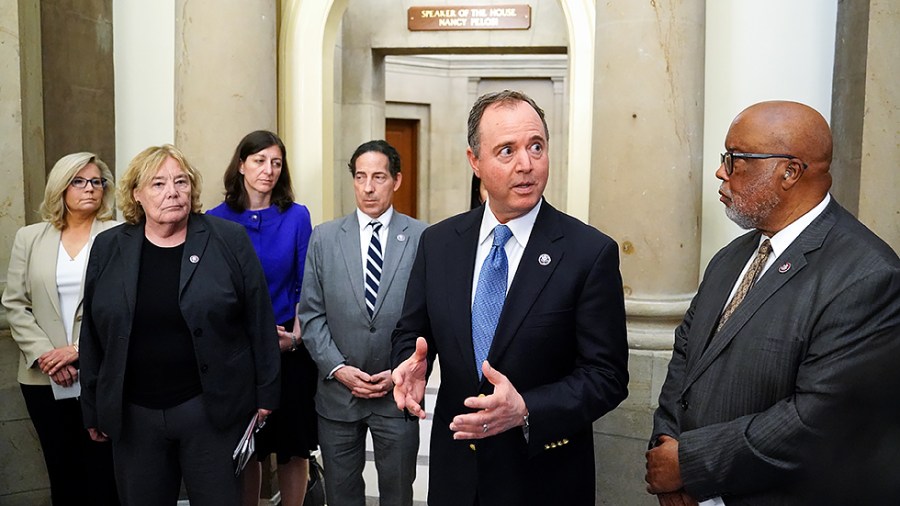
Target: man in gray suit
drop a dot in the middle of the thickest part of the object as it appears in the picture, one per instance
(357, 268)
(783, 379)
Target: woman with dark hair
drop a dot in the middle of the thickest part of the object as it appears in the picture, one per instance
(258, 195)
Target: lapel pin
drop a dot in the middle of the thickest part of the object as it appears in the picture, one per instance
(194, 259)
(784, 267)
(401, 237)
(544, 259)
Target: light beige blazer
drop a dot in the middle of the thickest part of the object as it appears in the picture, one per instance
(31, 298)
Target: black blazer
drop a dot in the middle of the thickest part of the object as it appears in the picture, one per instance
(560, 340)
(794, 400)
(224, 301)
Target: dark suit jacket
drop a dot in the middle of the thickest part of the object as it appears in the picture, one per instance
(224, 301)
(560, 340)
(791, 389)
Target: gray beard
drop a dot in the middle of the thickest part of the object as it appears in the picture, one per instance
(741, 220)
(752, 216)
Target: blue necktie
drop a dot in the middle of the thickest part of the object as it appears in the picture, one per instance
(373, 268)
(489, 296)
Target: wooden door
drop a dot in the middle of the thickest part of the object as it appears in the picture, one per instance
(403, 134)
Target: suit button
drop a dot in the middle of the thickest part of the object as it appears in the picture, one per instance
(204, 368)
(198, 332)
(683, 403)
(371, 330)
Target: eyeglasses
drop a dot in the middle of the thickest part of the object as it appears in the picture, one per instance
(727, 159)
(96, 182)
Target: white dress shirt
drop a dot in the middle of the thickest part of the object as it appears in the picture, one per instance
(365, 233)
(780, 241)
(521, 229)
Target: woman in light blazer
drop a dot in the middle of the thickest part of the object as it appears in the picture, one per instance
(43, 300)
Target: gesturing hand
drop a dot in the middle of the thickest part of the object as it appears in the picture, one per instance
(409, 380)
(498, 412)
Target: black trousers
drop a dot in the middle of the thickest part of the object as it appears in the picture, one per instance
(80, 470)
(159, 447)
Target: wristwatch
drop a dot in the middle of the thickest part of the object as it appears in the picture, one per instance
(293, 343)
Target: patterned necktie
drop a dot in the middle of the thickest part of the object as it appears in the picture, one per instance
(489, 296)
(374, 261)
(747, 282)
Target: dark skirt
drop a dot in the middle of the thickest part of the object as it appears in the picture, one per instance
(292, 429)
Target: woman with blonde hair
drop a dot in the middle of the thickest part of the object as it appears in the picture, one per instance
(179, 347)
(43, 301)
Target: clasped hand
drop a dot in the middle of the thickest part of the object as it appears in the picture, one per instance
(362, 384)
(56, 363)
(664, 474)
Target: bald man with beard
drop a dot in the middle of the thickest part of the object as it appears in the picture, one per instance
(783, 383)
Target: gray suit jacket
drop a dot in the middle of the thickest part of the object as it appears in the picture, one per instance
(787, 390)
(335, 323)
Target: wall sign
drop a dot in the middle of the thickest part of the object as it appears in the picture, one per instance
(470, 17)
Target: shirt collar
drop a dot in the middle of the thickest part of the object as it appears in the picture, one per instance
(784, 237)
(520, 227)
(385, 218)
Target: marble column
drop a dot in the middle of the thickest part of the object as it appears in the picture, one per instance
(22, 126)
(23, 476)
(645, 193)
(362, 100)
(879, 205)
(225, 81)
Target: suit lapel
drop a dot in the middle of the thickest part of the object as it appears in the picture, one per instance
(96, 227)
(129, 243)
(459, 268)
(530, 278)
(351, 250)
(718, 286)
(194, 247)
(393, 251)
(775, 277)
(46, 252)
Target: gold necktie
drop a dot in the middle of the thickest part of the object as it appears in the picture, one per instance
(747, 282)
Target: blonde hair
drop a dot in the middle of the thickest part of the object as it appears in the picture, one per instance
(141, 170)
(53, 207)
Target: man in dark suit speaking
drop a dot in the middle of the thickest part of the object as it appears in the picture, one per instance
(523, 304)
(783, 380)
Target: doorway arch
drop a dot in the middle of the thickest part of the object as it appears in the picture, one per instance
(309, 30)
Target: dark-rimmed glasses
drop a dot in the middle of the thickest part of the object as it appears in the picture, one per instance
(727, 159)
(95, 182)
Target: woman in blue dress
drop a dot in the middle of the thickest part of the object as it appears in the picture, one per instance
(258, 195)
